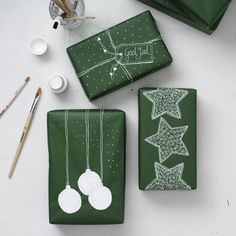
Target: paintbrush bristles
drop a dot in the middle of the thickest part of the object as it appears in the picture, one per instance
(27, 79)
(16, 94)
(39, 91)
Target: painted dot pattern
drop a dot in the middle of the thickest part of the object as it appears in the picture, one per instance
(89, 53)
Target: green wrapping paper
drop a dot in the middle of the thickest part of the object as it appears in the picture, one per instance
(86, 166)
(204, 15)
(167, 139)
(119, 55)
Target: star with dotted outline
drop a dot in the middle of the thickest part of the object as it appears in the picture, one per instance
(168, 140)
(165, 101)
(168, 178)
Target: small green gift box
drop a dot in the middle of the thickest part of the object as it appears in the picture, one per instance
(204, 15)
(119, 55)
(86, 166)
(167, 139)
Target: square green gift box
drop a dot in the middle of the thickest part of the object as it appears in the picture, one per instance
(86, 166)
(204, 15)
(167, 139)
(119, 55)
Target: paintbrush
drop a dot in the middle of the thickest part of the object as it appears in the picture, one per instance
(66, 5)
(74, 7)
(80, 17)
(62, 7)
(17, 92)
(25, 132)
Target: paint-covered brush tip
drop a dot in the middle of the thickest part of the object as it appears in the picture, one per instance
(39, 91)
(27, 79)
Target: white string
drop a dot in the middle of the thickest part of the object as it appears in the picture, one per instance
(101, 140)
(111, 40)
(67, 148)
(101, 144)
(87, 137)
(126, 73)
(155, 39)
(97, 65)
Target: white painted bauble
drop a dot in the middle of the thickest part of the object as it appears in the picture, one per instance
(88, 181)
(100, 198)
(69, 200)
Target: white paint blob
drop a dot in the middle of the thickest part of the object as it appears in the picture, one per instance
(69, 200)
(100, 198)
(88, 181)
(38, 46)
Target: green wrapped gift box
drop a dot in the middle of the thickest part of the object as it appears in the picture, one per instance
(204, 15)
(86, 166)
(167, 139)
(119, 55)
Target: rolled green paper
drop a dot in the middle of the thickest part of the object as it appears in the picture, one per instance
(167, 139)
(204, 15)
(86, 166)
(119, 55)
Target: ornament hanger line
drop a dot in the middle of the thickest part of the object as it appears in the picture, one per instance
(67, 148)
(101, 144)
(87, 125)
(87, 128)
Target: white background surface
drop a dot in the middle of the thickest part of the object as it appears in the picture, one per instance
(207, 63)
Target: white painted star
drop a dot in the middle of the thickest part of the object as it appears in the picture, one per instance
(168, 140)
(168, 179)
(165, 101)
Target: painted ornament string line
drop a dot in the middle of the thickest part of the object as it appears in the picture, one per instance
(69, 199)
(67, 148)
(89, 180)
(87, 138)
(100, 196)
(101, 144)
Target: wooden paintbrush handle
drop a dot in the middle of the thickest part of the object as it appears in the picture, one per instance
(8, 104)
(80, 17)
(21, 143)
(60, 5)
(66, 6)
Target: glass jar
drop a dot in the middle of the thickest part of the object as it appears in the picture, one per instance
(54, 11)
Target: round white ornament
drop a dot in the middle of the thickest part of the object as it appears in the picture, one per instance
(88, 181)
(100, 198)
(69, 200)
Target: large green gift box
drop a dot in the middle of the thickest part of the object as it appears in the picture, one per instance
(204, 15)
(119, 55)
(86, 166)
(167, 139)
